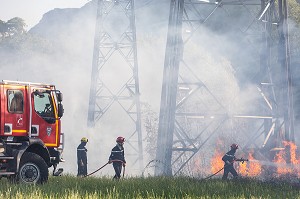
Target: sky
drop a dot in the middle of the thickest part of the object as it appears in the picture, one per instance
(32, 10)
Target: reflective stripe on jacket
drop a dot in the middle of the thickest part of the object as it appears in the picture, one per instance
(81, 154)
(117, 153)
(229, 156)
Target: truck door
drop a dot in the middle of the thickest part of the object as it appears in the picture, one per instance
(15, 112)
(45, 124)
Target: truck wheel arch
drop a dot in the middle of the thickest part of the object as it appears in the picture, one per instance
(36, 148)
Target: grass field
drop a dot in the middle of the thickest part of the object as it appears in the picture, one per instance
(153, 187)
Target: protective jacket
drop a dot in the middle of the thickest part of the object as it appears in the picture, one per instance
(82, 159)
(117, 153)
(228, 159)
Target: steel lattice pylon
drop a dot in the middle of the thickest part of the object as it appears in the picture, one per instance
(114, 79)
(184, 128)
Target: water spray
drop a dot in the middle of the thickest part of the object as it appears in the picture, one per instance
(276, 164)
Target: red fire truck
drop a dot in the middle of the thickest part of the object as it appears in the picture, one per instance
(31, 138)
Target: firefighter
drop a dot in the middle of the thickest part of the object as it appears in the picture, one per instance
(117, 157)
(228, 159)
(82, 157)
(17, 102)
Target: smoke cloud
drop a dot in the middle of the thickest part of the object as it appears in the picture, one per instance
(225, 60)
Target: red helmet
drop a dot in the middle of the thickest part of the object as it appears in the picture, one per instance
(120, 139)
(234, 146)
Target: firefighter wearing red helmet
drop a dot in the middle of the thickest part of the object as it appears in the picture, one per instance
(228, 159)
(117, 157)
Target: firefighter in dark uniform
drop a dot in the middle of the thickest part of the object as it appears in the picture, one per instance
(117, 157)
(228, 159)
(82, 157)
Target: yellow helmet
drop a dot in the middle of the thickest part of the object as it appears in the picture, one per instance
(84, 139)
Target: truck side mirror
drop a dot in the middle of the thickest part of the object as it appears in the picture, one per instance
(59, 97)
(60, 110)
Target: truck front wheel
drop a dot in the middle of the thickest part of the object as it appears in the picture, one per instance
(33, 169)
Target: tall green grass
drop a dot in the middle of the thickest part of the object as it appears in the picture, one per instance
(152, 187)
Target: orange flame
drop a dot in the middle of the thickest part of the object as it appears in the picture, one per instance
(287, 161)
(293, 149)
(254, 167)
(217, 162)
(243, 170)
(282, 157)
(250, 169)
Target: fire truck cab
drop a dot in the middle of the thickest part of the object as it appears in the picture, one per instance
(31, 140)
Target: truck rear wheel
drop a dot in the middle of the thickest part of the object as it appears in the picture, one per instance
(33, 169)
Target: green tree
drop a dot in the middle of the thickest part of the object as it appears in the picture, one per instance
(13, 27)
(3, 29)
(16, 25)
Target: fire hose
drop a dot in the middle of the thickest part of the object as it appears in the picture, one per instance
(214, 173)
(105, 165)
(238, 160)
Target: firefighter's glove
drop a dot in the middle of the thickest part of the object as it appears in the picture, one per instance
(124, 164)
(109, 161)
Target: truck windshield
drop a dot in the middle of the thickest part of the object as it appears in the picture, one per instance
(43, 105)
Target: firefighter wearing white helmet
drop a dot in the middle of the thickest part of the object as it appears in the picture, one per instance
(117, 157)
(82, 157)
(229, 159)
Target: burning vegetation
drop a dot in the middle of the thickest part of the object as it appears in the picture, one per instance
(284, 163)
